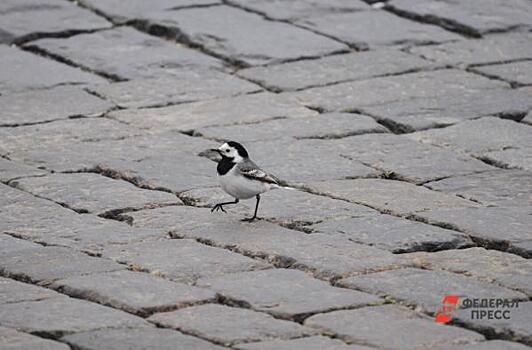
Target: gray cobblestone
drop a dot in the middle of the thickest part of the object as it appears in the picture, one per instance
(10, 170)
(15, 340)
(12, 291)
(488, 345)
(10, 244)
(308, 343)
(517, 73)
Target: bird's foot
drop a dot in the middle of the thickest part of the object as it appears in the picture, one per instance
(250, 219)
(217, 207)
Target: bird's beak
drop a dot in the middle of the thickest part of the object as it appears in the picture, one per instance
(216, 150)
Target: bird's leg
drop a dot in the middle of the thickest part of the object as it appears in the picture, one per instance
(220, 206)
(256, 208)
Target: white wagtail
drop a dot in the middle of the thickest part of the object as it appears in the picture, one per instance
(240, 177)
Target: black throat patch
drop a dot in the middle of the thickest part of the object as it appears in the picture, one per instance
(225, 165)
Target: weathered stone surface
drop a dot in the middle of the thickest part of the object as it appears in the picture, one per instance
(493, 49)
(182, 259)
(244, 109)
(278, 292)
(517, 328)
(308, 343)
(10, 244)
(494, 227)
(376, 28)
(434, 112)
(56, 317)
(181, 86)
(42, 106)
(15, 340)
(324, 255)
(124, 53)
(324, 126)
(27, 19)
(51, 263)
(506, 269)
(430, 287)
(227, 325)
(350, 95)
(472, 17)
(394, 234)
(392, 327)
(10, 170)
(44, 73)
(528, 118)
(512, 158)
(334, 69)
(145, 338)
(517, 73)
(219, 29)
(289, 11)
(12, 291)
(93, 193)
(499, 187)
(488, 345)
(396, 197)
(134, 292)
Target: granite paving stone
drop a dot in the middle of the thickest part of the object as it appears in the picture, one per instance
(10, 244)
(12, 291)
(55, 317)
(506, 269)
(517, 73)
(391, 327)
(28, 19)
(51, 263)
(48, 105)
(378, 91)
(186, 85)
(227, 325)
(278, 292)
(431, 287)
(283, 11)
(488, 345)
(394, 234)
(142, 338)
(15, 340)
(376, 28)
(475, 17)
(334, 69)
(500, 187)
(219, 30)
(10, 170)
(45, 73)
(125, 53)
(308, 343)
(511, 158)
(528, 118)
(134, 292)
(497, 48)
(93, 193)
(182, 260)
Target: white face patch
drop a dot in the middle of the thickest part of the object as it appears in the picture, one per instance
(230, 152)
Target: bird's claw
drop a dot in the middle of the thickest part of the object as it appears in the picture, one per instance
(218, 207)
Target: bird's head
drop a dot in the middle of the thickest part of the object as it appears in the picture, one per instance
(233, 151)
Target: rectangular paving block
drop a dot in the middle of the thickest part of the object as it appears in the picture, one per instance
(219, 30)
(228, 325)
(93, 193)
(391, 327)
(307, 343)
(13, 339)
(12, 291)
(124, 53)
(430, 287)
(181, 259)
(10, 170)
(334, 69)
(134, 292)
(516, 73)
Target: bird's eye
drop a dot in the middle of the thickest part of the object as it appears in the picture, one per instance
(227, 151)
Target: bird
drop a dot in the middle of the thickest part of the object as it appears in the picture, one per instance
(240, 177)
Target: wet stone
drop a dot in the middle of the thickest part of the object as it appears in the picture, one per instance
(143, 338)
(44, 73)
(10, 170)
(392, 327)
(93, 193)
(29, 19)
(394, 234)
(125, 53)
(12, 291)
(400, 198)
(376, 28)
(134, 292)
(179, 87)
(430, 288)
(43, 106)
(15, 340)
(506, 269)
(308, 343)
(334, 69)
(517, 73)
(226, 325)
(55, 317)
(278, 292)
(219, 29)
(182, 260)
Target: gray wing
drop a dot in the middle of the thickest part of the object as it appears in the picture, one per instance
(252, 171)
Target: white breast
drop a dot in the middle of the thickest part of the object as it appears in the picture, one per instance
(241, 187)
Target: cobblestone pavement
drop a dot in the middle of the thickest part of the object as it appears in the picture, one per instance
(405, 127)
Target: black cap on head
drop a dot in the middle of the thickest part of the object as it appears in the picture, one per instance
(241, 150)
